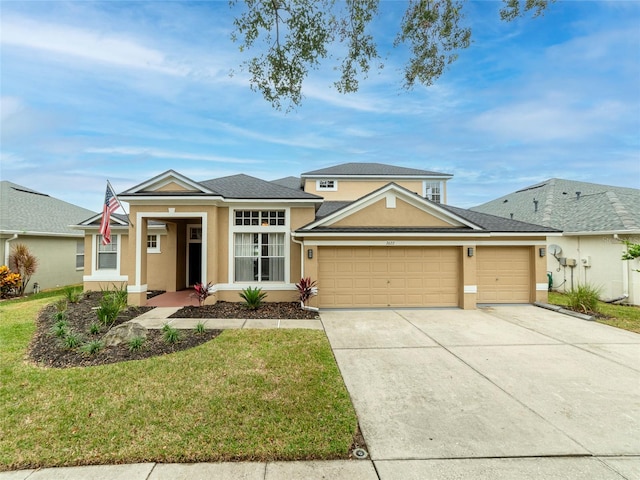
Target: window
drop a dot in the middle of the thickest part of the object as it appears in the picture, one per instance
(153, 243)
(432, 191)
(80, 254)
(108, 254)
(259, 257)
(327, 185)
(264, 218)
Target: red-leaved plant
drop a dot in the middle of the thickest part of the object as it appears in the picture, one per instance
(201, 292)
(306, 289)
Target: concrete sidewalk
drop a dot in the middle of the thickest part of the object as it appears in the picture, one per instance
(159, 317)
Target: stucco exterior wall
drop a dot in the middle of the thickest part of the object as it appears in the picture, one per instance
(598, 263)
(56, 259)
(353, 189)
(401, 214)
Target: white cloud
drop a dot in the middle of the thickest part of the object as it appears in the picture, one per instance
(166, 154)
(100, 47)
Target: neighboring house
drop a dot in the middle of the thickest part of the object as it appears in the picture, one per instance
(594, 219)
(43, 224)
(365, 232)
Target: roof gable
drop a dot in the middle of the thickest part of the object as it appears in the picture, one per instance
(392, 206)
(169, 182)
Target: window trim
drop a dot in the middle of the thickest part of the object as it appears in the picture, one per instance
(285, 229)
(155, 249)
(430, 184)
(80, 242)
(321, 188)
(104, 275)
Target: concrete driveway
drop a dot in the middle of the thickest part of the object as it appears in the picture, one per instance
(501, 393)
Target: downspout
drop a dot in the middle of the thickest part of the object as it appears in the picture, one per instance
(6, 248)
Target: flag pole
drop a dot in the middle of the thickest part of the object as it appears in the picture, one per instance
(119, 202)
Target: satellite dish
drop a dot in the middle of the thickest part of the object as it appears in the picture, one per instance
(554, 249)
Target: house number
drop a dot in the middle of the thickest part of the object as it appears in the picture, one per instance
(390, 243)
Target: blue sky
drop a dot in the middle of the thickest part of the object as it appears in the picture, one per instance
(126, 90)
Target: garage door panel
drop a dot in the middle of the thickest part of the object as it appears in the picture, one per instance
(389, 276)
(504, 274)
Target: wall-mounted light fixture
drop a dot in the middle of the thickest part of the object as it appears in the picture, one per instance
(542, 251)
(310, 253)
(470, 252)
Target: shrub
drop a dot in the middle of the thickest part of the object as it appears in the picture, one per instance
(201, 292)
(111, 304)
(253, 297)
(72, 340)
(60, 316)
(170, 334)
(72, 294)
(61, 305)
(136, 343)
(584, 298)
(200, 328)
(60, 329)
(9, 282)
(92, 347)
(306, 289)
(23, 262)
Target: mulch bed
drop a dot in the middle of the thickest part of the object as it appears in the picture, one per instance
(277, 310)
(47, 350)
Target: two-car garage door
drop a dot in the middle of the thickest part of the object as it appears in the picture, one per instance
(361, 277)
(389, 277)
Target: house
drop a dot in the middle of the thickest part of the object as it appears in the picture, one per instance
(43, 224)
(595, 219)
(372, 235)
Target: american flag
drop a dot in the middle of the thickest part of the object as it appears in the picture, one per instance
(111, 204)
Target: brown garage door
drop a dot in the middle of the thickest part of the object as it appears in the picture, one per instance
(388, 277)
(504, 274)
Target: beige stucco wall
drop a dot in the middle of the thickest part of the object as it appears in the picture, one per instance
(608, 271)
(353, 189)
(56, 259)
(401, 215)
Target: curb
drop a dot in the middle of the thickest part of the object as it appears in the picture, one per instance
(556, 308)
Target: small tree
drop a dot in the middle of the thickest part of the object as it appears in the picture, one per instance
(633, 251)
(24, 263)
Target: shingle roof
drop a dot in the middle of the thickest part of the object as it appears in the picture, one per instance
(372, 169)
(556, 203)
(493, 223)
(328, 207)
(245, 186)
(289, 182)
(25, 210)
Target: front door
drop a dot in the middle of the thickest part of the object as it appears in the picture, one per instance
(194, 255)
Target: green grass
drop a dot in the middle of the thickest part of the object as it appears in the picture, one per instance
(621, 316)
(247, 395)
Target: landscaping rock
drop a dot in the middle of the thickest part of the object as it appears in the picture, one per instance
(123, 333)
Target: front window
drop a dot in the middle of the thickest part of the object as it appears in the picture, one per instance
(153, 243)
(263, 218)
(79, 254)
(108, 254)
(432, 191)
(326, 185)
(259, 257)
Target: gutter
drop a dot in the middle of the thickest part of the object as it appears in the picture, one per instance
(6, 248)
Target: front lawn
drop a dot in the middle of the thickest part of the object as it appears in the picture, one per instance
(622, 316)
(246, 395)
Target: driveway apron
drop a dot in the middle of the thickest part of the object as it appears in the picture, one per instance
(491, 389)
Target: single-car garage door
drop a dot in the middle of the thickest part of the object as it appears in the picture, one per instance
(363, 277)
(504, 274)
